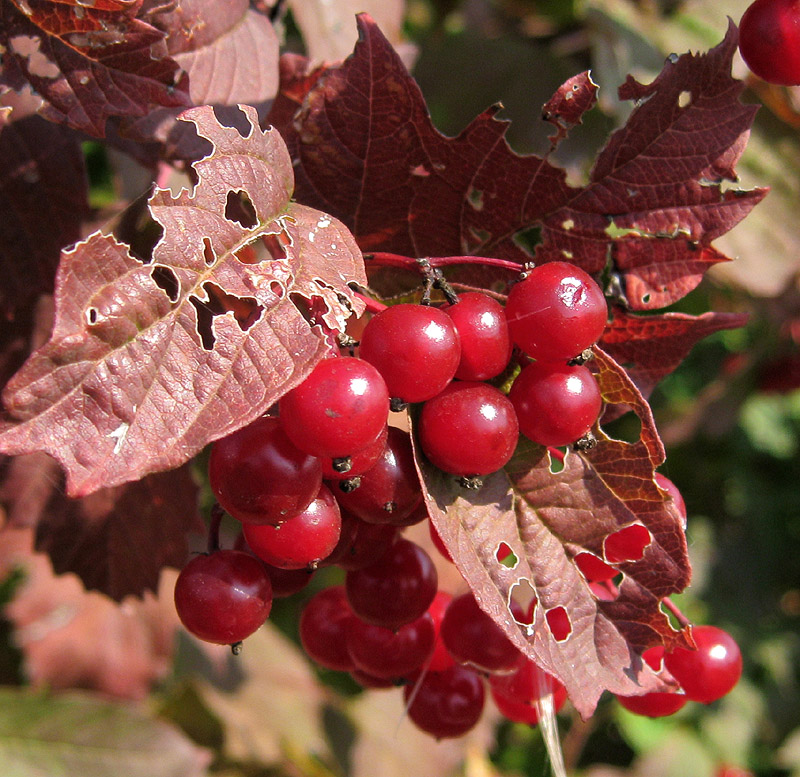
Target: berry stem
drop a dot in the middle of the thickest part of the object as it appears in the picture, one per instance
(372, 305)
(384, 259)
(213, 528)
(675, 610)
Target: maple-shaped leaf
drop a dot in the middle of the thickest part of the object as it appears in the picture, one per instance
(43, 182)
(88, 61)
(546, 515)
(149, 362)
(367, 152)
(653, 346)
(93, 536)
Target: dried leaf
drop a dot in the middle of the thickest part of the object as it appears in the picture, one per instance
(149, 362)
(547, 517)
(75, 733)
(72, 638)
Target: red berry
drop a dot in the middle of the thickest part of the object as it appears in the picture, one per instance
(446, 704)
(302, 540)
(469, 429)
(441, 658)
(259, 476)
(415, 348)
(386, 654)
(339, 409)
(555, 404)
(483, 330)
(665, 484)
(223, 597)
(365, 543)
(473, 638)
(711, 671)
(323, 629)
(360, 461)
(517, 694)
(394, 590)
(389, 492)
(556, 312)
(769, 40)
(656, 704)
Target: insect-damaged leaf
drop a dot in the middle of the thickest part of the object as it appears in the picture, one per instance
(654, 202)
(148, 363)
(547, 516)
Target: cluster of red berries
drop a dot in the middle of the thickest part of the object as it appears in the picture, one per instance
(326, 481)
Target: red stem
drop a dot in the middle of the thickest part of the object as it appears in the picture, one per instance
(383, 259)
(373, 306)
(674, 609)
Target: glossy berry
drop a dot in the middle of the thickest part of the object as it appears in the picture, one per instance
(340, 408)
(446, 704)
(416, 349)
(556, 312)
(389, 492)
(483, 331)
(769, 40)
(516, 694)
(361, 543)
(302, 540)
(440, 658)
(387, 654)
(285, 582)
(555, 404)
(656, 704)
(711, 671)
(259, 476)
(469, 428)
(223, 597)
(473, 638)
(323, 629)
(394, 590)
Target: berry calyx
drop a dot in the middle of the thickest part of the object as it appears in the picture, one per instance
(223, 597)
(556, 312)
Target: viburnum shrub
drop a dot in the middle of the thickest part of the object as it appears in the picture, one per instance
(214, 318)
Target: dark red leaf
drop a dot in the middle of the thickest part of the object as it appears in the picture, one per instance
(117, 540)
(547, 516)
(148, 363)
(367, 152)
(652, 347)
(88, 62)
(42, 181)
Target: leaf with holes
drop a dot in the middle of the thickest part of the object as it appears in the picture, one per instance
(518, 537)
(149, 362)
(88, 61)
(367, 152)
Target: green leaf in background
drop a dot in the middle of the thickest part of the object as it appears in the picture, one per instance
(64, 735)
